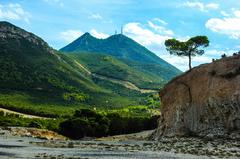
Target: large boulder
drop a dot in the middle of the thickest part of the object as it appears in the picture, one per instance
(204, 101)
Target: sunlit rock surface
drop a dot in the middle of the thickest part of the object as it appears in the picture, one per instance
(203, 102)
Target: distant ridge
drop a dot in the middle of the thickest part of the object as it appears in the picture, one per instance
(117, 45)
(126, 50)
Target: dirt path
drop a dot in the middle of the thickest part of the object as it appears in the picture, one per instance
(126, 84)
(21, 114)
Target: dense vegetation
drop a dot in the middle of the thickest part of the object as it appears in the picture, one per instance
(89, 122)
(48, 105)
(112, 67)
(38, 80)
(31, 68)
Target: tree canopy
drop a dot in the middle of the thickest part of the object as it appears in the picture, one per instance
(192, 47)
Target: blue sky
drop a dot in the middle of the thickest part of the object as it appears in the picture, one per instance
(149, 22)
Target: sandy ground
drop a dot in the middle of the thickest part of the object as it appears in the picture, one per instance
(131, 146)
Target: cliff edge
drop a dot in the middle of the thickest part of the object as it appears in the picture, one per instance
(204, 101)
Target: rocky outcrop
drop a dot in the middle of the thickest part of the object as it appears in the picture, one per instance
(204, 101)
(9, 32)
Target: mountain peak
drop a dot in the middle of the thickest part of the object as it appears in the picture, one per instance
(83, 40)
(87, 34)
(85, 37)
(9, 31)
(118, 36)
(6, 26)
(5, 23)
(119, 46)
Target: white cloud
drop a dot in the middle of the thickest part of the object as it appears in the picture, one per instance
(218, 53)
(14, 12)
(225, 14)
(70, 35)
(182, 62)
(183, 38)
(226, 25)
(59, 2)
(98, 35)
(96, 16)
(229, 52)
(160, 29)
(201, 6)
(212, 6)
(160, 21)
(155, 42)
(237, 47)
(237, 13)
(144, 36)
(214, 53)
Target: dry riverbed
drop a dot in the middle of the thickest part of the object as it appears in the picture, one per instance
(133, 146)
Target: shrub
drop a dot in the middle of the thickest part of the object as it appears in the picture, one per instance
(74, 97)
(35, 124)
(86, 122)
(75, 128)
(117, 125)
(85, 113)
(1, 113)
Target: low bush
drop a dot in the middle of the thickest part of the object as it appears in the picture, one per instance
(87, 122)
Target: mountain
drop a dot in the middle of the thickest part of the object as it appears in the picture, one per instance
(32, 74)
(28, 63)
(127, 51)
(117, 45)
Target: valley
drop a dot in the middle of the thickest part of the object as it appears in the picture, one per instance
(48, 89)
(166, 86)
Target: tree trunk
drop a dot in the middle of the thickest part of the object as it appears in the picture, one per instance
(190, 61)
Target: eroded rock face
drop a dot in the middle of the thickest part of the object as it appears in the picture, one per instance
(203, 102)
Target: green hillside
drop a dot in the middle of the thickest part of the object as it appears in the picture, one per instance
(36, 77)
(127, 51)
(112, 67)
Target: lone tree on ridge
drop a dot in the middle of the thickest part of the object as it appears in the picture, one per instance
(192, 47)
